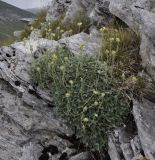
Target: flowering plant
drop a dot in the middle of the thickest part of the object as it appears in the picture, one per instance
(84, 93)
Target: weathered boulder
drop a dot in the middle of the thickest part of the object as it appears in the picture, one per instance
(97, 11)
(129, 11)
(144, 116)
(28, 120)
(124, 144)
(82, 43)
(35, 34)
(81, 156)
(27, 109)
(57, 9)
(79, 8)
(16, 61)
(24, 126)
(100, 14)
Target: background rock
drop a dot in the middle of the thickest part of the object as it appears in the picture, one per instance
(83, 43)
(57, 8)
(23, 127)
(144, 117)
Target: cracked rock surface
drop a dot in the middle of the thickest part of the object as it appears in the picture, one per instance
(26, 116)
(28, 121)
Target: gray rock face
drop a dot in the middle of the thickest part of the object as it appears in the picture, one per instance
(100, 15)
(23, 127)
(35, 34)
(97, 10)
(82, 43)
(26, 117)
(57, 8)
(124, 144)
(82, 7)
(144, 117)
(81, 156)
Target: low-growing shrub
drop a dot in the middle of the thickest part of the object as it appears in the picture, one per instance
(25, 33)
(85, 94)
(92, 94)
(37, 23)
(56, 29)
(120, 50)
(41, 18)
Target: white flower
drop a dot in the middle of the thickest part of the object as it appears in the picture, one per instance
(95, 92)
(85, 119)
(118, 40)
(102, 94)
(67, 95)
(49, 30)
(53, 34)
(79, 24)
(38, 69)
(66, 58)
(71, 82)
(58, 28)
(113, 53)
(99, 71)
(103, 29)
(54, 57)
(134, 79)
(95, 103)
(62, 31)
(62, 68)
(96, 115)
(85, 109)
(111, 39)
(106, 51)
(32, 28)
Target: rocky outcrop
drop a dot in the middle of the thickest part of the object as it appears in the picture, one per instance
(130, 143)
(138, 15)
(24, 126)
(100, 14)
(79, 8)
(97, 11)
(57, 8)
(28, 122)
(28, 118)
(82, 43)
(144, 116)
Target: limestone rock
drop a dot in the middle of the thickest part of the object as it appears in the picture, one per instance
(144, 117)
(35, 34)
(124, 144)
(57, 8)
(81, 156)
(100, 14)
(81, 43)
(77, 8)
(23, 126)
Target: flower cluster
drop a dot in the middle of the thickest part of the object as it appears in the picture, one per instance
(84, 95)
